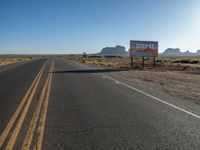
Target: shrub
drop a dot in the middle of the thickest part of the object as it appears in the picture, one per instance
(194, 62)
(159, 61)
(185, 61)
(83, 61)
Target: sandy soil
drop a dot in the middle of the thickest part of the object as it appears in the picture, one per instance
(183, 85)
(11, 60)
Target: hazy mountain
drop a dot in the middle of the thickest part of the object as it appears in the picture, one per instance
(171, 51)
(177, 52)
(113, 51)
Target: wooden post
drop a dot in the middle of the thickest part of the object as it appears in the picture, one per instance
(142, 62)
(131, 62)
(154, 62)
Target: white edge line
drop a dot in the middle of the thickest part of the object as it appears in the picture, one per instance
(176, 107)
(151, 96)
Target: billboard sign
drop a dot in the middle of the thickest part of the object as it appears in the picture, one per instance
(144, 48)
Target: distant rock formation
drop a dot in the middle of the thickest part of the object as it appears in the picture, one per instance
(113, 51)
(176, 52)
(121, 51)
(171, 51)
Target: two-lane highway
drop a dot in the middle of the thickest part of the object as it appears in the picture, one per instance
(67, 105)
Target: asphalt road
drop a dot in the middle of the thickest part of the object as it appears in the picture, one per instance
(75, 106)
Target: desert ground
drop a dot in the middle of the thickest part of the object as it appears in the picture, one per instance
(179, 77)
(6, 60)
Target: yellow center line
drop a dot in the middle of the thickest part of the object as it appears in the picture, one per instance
(40, 131)
(18, 110)
(29, 136)
(15, 133)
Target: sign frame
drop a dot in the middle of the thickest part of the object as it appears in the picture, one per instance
(143, 48)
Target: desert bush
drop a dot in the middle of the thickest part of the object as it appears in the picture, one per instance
(159, 61)
(195, 62)
(99, 60)
(19, 59)
(83, 61)
(176, 61)
(182, 61)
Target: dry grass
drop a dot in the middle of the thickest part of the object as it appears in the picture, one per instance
(179, 77)
(164, 63)
(179, 62)
(107, 62)
(111, 62)
(11, 60)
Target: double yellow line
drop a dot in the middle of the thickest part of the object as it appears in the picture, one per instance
(40, 109)
(21, 113)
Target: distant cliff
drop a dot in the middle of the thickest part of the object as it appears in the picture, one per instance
(113, 51)
(176, 52)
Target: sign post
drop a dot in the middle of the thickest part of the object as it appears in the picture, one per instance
(144, 49)
(131, 62)
(154, 62)
(142, 62)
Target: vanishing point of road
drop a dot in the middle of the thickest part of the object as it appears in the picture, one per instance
(57, 104)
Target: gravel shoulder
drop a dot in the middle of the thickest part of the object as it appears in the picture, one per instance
(183, 85)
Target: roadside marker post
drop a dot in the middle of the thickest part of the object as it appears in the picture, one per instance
(154, 62)
(131, 62)
(143, 62)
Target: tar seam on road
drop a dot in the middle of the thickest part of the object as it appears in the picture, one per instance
(19, 108)
(146, 94)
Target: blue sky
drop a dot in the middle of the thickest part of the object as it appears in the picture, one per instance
(74, 26)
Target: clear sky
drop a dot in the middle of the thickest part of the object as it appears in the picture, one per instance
(74, 26)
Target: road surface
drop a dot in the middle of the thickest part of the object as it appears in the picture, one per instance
(56, 104)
